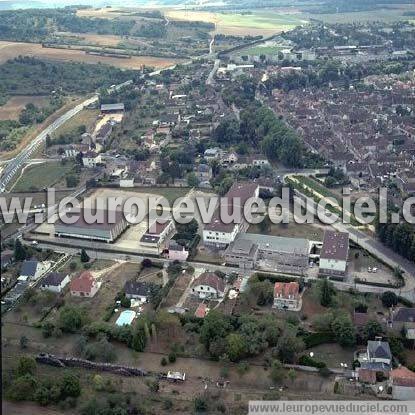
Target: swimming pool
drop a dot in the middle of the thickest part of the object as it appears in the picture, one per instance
(125, 318)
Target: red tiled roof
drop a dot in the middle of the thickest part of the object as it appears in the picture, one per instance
(201, 311)
(286, 289)
(83, 283)
(366, 375)
(402, 376)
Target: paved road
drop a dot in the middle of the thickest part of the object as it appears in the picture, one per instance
(373, 246)
(16, 164)
(209, 80)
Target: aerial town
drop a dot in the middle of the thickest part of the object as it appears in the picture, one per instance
(216, 105)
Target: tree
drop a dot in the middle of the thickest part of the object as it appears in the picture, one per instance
(192, 180)
(23, 342)
(292, 375)
(326, 293)
(344, 330)
(215, 325)
(22, 388)
(70, 385)
(372, 329)
(200, 404)
(84, 256)
(288, 346)
(26, 366)
(236, 348)
(20, 253)
(389, 299)
(70, 319)
(277, 373)
(72, 181)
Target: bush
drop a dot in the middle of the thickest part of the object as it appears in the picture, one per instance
(163, 361)
(314, 339)
(324, 372)
(306, 360)
(172, 357)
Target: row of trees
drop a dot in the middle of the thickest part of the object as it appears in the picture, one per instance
(35, 25)
(25, 385)
(399, 237)
(32, 76)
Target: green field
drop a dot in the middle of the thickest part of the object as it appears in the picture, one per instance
(262, 50)
(43, 175)
(264, 22)
(261, 20)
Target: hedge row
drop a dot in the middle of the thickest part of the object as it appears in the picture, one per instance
(314, 339)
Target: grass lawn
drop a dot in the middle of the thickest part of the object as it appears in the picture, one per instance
(260, 20)
(265, 22)
(43, 175)
(262, 50)
(86, 117)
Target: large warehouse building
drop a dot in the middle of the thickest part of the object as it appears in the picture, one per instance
(269, 252)
(105, 232)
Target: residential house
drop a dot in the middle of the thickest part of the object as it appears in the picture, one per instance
(85, 285)
(212, 153)
(72, 150)
(378, 351)
(201, 311)
(6, 259)
(286, 295)
(403, 319)
(177, 252)
(55, 282)
(402, 381)
(209, 285)
(31, 270)
(203, 172)
(91, 159)
(103, 133)
(140, 291)
(334, 254)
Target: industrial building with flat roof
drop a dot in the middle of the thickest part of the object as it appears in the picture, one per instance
(272, 252)
(106, 231)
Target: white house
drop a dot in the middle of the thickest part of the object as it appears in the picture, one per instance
(379, 351)
(91, 159)
(127, 182)
(212, 153)
(209, 285)
(55, 282)
(219, 234)
(334, 253)
(32, 270)
(177, 252)
(140, 291)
